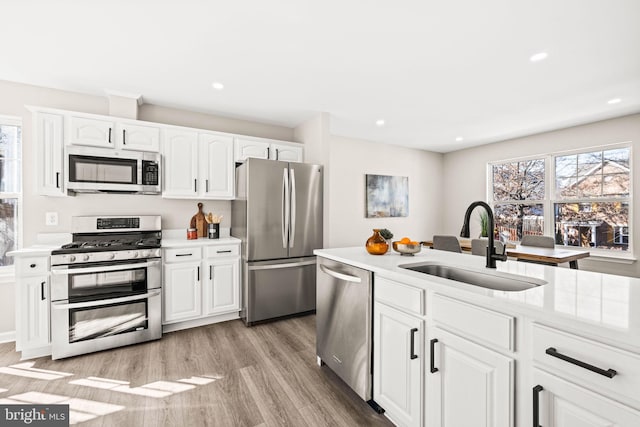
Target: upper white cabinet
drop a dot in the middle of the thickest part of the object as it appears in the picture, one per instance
(49, 134)
(113, 133)
(197, 165)
(261, 148)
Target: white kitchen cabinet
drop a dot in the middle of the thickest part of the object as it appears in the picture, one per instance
(267, 149)
(467, 384)
(33, 336)
(397, 364)
(110, 132)
(49, 135)
(202, 282)
(182, 295)
(197, 165)
(560, 403)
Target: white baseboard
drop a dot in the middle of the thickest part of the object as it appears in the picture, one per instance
(172, 327)
(7, 336)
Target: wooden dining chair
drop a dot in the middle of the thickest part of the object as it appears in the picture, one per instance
(539, 241)
(479, 247)
(446, 243)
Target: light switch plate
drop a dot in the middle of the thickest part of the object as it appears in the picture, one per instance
(51, 218)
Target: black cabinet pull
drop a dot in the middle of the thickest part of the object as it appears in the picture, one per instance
(413, 336)
(42, 297)
(432, 348)
(124, 137)
(224, 252)
(195, 185)
(277, 154)
(210, 272)
(109, 135)
(268, 152)
(536, 405)
(32, 266)
(57, 179)
(184, 254)
(609, 373)
(207, 185)
(198, 273)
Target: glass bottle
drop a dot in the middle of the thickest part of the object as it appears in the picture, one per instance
(376, 244)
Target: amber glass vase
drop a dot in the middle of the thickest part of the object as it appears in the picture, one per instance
(376, 245)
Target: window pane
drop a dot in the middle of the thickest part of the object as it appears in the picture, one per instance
(589, 163)
(620, 156)
(566, 187)
(519, 180)
(10, 137)
(601, 225)
(615, 185)
(10, 176)
(8, 229)
(566, 166)
(518, 220)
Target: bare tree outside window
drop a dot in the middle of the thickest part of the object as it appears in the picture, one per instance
(517, 186)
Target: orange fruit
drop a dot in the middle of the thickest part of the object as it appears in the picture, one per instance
(405, 240)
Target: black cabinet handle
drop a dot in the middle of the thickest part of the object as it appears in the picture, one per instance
(413, 336)
(207, 185)
(195, 185)
(57, 179)
(277, 154)
(124, 137)
(432, 348)
(184, 254)
(210, 272)
(198, 273)
(609, 373)
(32, 266)
(536, 405)
(42, 297)
(109, 135)
(224, 252)
(268, 152)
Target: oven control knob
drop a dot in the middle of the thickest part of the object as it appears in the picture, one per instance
(135, 254)
(145, 254)
(72, 258)
(111, 256)
(85, 257)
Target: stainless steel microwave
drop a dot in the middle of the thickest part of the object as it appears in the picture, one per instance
(94, 170)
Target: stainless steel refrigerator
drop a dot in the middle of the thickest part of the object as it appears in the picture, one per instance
(277, 214)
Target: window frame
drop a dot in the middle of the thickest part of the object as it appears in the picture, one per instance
(551, 198)
(8, 270)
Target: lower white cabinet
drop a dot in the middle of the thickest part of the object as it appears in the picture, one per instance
(200, 282)
(397, 364)
(559, 403)
(33, 336)
(467, 384)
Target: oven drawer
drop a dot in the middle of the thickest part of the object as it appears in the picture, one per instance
(182, 254)
(32, 266)
(221, 250)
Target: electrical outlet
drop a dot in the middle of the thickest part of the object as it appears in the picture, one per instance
(51, 218)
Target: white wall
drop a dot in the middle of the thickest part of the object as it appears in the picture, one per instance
(350, 160)
(464, 173)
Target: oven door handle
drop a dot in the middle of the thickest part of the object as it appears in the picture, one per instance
(64, 306)
(67, 271)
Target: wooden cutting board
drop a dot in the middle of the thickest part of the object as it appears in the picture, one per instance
(199, 222)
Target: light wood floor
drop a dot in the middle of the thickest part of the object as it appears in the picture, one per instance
(264, 375)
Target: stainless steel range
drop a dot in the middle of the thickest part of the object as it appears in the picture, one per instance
(106, 285)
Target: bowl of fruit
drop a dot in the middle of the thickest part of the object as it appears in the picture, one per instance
(406, 246)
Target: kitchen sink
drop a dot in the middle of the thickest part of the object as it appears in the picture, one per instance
(496, 280)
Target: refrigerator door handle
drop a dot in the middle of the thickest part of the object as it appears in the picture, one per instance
(283, 265)
(285, 207)
(293, 208)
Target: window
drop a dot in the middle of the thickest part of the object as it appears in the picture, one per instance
(10, 186)
(581, 198)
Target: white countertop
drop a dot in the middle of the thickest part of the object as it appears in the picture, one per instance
(601, 306)
(35, 250)
(203, 241)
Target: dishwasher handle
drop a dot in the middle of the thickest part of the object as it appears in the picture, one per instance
(340, 276)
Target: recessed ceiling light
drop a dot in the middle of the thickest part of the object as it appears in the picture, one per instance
(217, 85)
(614, 101)
(538, 56)
(380, 123)
(458, 139)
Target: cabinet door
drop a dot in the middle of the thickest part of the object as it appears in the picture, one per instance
(473, 386)
(182, 299)
(50, 143)
(180, 156)
(564, 404)
(221, 289)
(286, 153)
(90, 131)
(397, 362)
(217, 169)
(137, 137)
(33, 313)
(245, 148)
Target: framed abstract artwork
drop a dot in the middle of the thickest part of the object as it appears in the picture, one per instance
(387, 196)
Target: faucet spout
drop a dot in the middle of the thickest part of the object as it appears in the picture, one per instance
(492, 256)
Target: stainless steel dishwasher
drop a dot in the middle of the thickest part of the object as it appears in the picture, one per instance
(343, 323)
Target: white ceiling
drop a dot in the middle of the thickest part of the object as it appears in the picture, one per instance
(433, 70)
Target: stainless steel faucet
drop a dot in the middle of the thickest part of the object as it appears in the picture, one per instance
(492, 256)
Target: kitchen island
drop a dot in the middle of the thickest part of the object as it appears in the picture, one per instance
(568, 349)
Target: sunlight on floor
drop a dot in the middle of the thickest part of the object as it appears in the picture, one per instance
(27, 370)
(157, 389)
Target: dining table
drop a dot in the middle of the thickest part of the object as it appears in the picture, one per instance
(538, 254)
